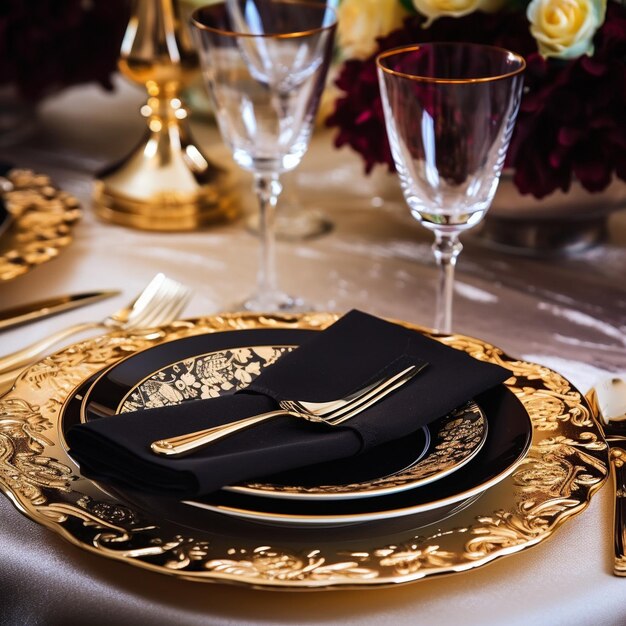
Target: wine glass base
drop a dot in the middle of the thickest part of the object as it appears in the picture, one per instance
(276, 303)
(300, 226)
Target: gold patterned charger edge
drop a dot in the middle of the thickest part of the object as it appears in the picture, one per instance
(567, 463)
(42, 218)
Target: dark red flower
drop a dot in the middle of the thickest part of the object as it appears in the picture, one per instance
(47, 44)
(571, 121)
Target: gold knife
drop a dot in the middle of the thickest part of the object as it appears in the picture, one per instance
(25, 313)
(608, 402)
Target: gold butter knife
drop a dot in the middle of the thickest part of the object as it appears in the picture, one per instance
(608, 401)
(33, 311)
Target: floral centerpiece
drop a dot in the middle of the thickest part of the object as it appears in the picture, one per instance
(572, 120)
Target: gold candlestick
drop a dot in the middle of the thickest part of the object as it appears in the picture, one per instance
(166, 183)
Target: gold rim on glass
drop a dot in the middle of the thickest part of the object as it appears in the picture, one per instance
(433, 79)
(195, 20)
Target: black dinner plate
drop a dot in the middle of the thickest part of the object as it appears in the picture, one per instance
(111, 391)
(507, 441)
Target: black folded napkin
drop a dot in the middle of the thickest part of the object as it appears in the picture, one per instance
(358, 349)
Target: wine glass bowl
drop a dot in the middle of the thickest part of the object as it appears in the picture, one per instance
(265, 64)
(450, 110)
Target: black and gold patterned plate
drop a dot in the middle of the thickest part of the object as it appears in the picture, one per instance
(566, 464)
(39, 220)
(449, 443)
(218, 364)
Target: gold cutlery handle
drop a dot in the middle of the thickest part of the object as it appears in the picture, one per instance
(618, 463)
(184, 444)
(21, 358)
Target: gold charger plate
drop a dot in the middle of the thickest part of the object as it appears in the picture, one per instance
(41, 221)
(567, 463)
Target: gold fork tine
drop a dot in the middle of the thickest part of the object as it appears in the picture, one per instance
(399, 380)
(150, 310)
(340, 407)
(178, 300)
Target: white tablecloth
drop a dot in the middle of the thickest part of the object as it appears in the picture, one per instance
(568, 313)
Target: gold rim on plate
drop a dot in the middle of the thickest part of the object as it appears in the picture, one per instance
(42, 218)
(567, 463)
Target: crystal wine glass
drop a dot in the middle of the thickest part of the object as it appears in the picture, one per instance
(449, 109)
(265, 64)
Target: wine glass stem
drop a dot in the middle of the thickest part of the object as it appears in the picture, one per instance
(447, 248)
(267, 188)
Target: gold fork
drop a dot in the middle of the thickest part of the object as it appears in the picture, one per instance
(333, 413)
(159, 303)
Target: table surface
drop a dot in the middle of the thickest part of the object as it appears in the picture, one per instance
(568, 313)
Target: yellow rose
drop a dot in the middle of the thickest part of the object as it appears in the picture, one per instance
(432, 9)
(360, 22)
(565, 28)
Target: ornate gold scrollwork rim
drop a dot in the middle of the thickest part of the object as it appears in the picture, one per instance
(43, 217)
(567, 463)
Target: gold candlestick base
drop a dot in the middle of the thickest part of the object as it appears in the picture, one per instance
(166, 183)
